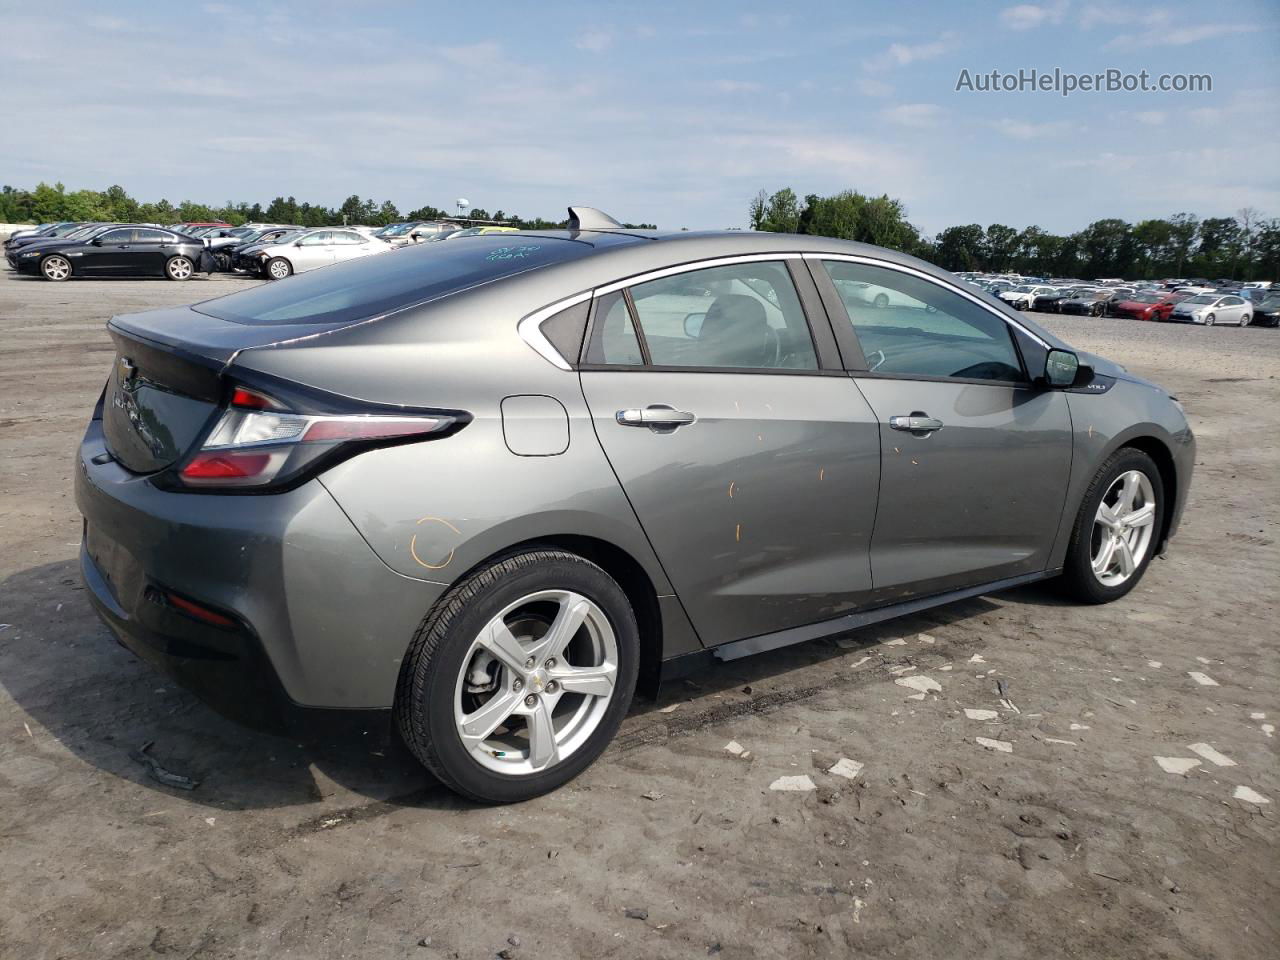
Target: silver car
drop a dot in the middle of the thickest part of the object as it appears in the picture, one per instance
(1213, 308)
(316, 248)
(486, 489)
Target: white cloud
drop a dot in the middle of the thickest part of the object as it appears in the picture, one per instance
(918, 115)
(1113, 16)
(1030, 130)
(1151, 118)
(872, 87)
(594, 41)
(1027, 16)
(1178, 36)
(905, 54)
(736, 86)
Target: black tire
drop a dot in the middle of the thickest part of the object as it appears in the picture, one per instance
(1210, 320)
(424, 705)
(277, 268)
(179, 268)
(1078, 580)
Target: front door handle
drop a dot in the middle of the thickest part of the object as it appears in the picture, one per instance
(656, 416)
(917, 422)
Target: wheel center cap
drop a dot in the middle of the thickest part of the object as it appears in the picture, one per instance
(537, 681)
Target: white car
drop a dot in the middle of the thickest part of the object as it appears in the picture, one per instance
(1023, 296)
(318, 248)
(1213, 308)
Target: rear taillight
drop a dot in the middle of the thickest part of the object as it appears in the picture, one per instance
(258, 443)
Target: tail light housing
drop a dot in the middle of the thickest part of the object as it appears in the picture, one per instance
(261, 443)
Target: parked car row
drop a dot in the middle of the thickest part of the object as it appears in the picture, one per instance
(1177, 300)
(65, 250)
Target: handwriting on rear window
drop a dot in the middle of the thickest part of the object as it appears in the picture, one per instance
(514, 253)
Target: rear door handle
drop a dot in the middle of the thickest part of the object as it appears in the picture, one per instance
(656, 416)
(917, 422)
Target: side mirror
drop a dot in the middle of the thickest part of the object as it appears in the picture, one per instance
(297, 243)
(96, 241)
(1061, 367)
(693, 325)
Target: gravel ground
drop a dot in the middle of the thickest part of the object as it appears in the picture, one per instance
(1043, 827)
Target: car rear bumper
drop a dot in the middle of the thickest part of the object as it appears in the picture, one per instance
(313, 619)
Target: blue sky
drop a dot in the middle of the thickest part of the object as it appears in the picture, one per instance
(674, 113)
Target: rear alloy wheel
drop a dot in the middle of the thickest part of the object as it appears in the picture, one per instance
(179, 268)
(520, 676)
(1210, 320)
(56, 268)
(1116, 530)
(278, 268)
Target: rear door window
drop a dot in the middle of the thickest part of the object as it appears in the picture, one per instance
(742, 316)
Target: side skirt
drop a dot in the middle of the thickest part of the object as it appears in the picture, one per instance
(737, 649)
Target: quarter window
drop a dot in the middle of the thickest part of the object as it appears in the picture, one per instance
(737, 316)
(910, 326)
(613, 335)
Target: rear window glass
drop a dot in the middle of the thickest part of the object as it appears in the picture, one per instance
(387, 281)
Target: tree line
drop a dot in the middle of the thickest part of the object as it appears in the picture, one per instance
(46, 204)
(1243, 247)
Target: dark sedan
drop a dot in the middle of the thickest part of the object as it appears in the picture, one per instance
(118, 252)
(1091, 304)
(1052, 303)
(1266, 312)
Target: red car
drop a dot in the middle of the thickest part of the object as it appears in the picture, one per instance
(1147, 306)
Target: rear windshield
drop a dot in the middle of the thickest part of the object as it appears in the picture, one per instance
(387, 281)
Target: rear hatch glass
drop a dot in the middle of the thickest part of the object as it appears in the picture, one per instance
(382, 282)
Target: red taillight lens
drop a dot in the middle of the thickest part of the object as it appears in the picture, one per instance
(226, 466)
(251, 400)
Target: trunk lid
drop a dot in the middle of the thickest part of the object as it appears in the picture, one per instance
(166, 384)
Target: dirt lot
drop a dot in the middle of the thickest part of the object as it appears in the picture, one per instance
(1074, 843)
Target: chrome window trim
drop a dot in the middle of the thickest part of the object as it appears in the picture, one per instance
(705, 264)
(946, 285)
(530, 329)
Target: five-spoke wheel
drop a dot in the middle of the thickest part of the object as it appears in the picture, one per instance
(520, 675)
(1122, 528)
(536, 682)
(1117, 530)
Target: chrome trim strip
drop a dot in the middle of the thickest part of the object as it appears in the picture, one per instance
(694, 265)
(530, 329)
(954, 288)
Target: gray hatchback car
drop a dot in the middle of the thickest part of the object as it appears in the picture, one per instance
(485, 489)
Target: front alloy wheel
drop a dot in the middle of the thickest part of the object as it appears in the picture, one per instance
(1117, 528)
(56, 268)
(519, 676)
(1122, 528)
